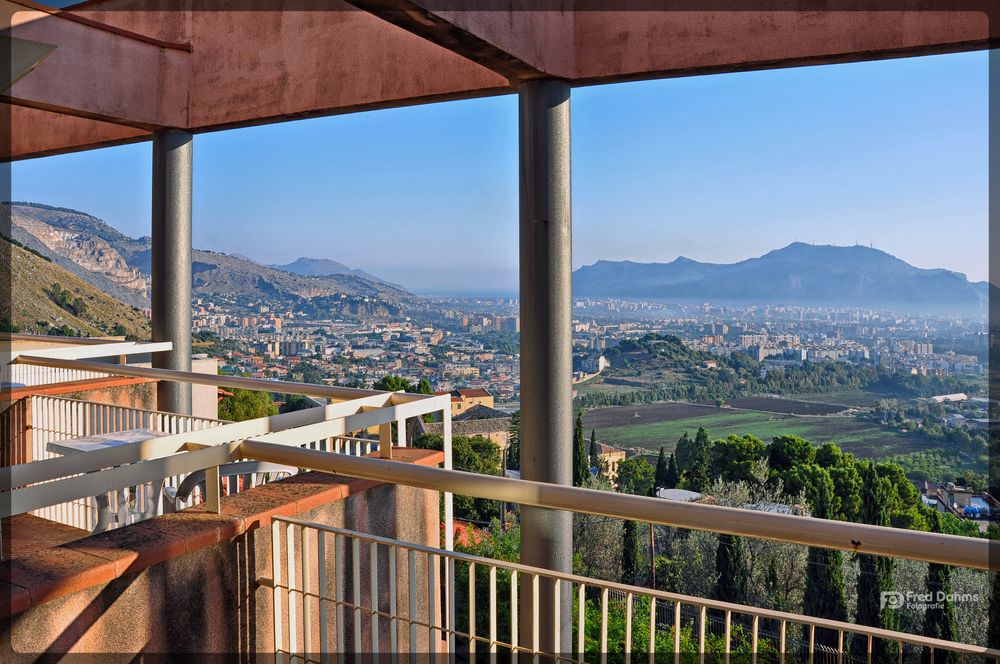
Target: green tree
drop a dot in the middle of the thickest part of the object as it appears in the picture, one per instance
(632, 568)
(661, 469)
(635, 476)
(824, 594)
(514, 444)
(391, 383)
(595, 451)
(246, 405)
(733, 458)
(786, 452)
(473, 454)
(685, 452)
(697, 476)
(673, 476)
(876, 572)
(581, 465)
(731, 572)
(424, 387)
(294, 402)
(939, 618)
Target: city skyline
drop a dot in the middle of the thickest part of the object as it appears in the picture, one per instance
(716, 168)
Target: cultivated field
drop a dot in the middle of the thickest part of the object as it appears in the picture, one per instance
(853, 399)
(618, 416)
(663, 424)
(786, 406)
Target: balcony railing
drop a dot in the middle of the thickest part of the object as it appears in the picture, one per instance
(129, 481)
(328, 599)
(324, 578)
(57, 418)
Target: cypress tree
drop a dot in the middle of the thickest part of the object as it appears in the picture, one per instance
(824, 594)
(595, 453)
(697, 479)
(875, 577)
(673, 473)
(939, 619)
(661, 470)
(631, 554)
(581, 460)
(731, 570)
(685, 452)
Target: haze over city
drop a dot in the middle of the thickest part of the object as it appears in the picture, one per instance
(717, 168)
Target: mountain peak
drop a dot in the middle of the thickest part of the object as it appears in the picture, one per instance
(796, 274)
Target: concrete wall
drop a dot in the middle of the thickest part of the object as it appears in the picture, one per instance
(216, 598)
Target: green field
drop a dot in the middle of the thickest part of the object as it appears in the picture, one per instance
(865, 439)
(853, 399)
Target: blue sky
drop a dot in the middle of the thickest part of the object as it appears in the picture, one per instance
(716, 168)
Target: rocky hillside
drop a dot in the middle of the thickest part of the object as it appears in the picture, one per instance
(84, 246)
(119, 265)
(37, 284)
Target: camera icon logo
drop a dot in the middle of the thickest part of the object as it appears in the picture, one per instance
(892, 600)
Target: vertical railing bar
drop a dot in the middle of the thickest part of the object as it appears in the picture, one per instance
(812, 642)
(535, 636)
(728, 641)
(292, 590)
(493, 612)
(604, 625)
(840, 646)
(754, 638)
(472, 611)
(321, 569)
(452, 624)
(356, 595)
(557, 615)
(782, 641)
(431, 605)
(373, 571)
(393, 606)
(307, 592)
(341, 581)
(514, 626)
(276, 583)
(628, 628)
(412, 581)
(701, 633)
(581, 618)
(677, 632)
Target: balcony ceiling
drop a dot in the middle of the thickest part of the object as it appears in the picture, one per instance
(123, 68)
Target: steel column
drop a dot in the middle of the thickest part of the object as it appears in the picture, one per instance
(170, 266)
(546, 343)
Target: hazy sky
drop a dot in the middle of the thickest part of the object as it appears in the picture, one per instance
(716, 168)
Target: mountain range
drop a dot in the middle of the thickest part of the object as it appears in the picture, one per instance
(798, 274)
(324, 267)
(119, 265)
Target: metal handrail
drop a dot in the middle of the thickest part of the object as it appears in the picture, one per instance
(846, 536)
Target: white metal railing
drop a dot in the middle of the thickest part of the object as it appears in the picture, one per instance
(341, 591)
(118, 485)
(32, 376)
(59, 418)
